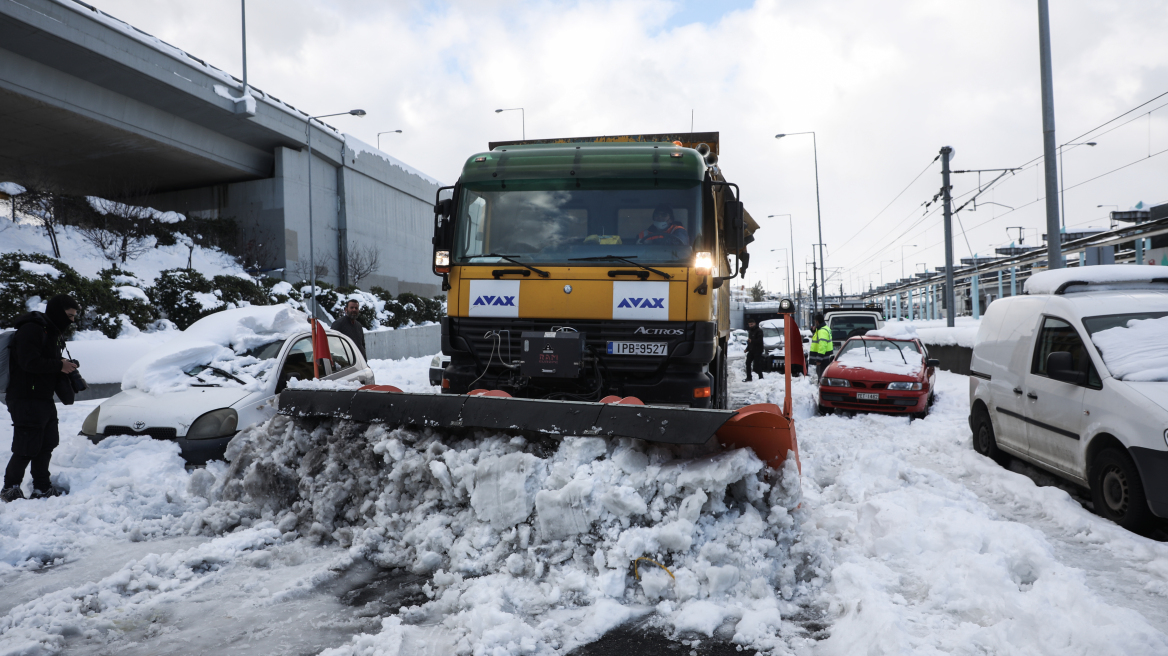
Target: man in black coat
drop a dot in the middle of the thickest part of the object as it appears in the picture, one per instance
(35, 369)
(754, 347)
(348, 325)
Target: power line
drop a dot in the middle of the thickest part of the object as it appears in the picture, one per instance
(914, 180)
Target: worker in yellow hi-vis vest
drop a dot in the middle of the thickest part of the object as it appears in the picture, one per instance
(821, 346)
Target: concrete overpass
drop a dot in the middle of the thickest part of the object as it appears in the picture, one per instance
(90, 105)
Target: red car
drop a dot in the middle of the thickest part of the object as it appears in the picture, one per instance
(879, 374)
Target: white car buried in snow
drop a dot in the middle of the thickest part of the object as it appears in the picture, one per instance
(223, 374)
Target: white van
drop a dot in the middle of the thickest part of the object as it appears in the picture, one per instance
(851, 323)
(1073, 377)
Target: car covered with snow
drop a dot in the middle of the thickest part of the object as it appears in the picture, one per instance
(223, 374)
(1073, 377)
(889, 373)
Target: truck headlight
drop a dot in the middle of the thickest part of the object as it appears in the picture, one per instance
(703, 263)
(442, 261)
(835, 382)
(217, 423)
(89, 426)
(904, 387)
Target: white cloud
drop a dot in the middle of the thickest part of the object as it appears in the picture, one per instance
(885, 85)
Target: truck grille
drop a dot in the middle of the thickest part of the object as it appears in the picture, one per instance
(597, 334)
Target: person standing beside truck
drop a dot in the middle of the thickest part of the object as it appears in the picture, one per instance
(821, 346)
(754, 344)
(35, 371)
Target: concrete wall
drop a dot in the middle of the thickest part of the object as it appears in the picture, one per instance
(405, 343)
(953, 358)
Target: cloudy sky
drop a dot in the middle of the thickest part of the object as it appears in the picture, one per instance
(883, 84)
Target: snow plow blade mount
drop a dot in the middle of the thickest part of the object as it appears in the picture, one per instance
(488, 411)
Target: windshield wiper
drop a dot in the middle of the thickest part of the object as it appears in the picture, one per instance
(617, 258)
(511, 259)
(898, 349)
(216, 370)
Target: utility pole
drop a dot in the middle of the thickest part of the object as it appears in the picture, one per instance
(1054, 237)
(950, 296)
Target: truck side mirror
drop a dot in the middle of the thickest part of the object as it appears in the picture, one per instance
(733, 231)
(1060, 366)
(444, 207)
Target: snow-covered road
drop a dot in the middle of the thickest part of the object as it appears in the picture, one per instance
(906, 542)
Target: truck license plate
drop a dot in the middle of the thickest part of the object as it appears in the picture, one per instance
(867, 396)
(638, 348)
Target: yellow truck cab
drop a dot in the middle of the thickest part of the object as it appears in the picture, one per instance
(583, 268)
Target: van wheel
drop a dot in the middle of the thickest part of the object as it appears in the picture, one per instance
(1118, 492)
(984, 441)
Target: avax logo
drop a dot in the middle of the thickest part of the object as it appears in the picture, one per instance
(630, 302)
(658, 331)
(495, 300)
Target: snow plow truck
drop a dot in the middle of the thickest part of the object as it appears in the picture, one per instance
(587, 296)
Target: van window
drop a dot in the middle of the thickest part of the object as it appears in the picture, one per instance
(1058, 335)
(851, 325)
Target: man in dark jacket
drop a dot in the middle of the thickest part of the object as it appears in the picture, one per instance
(754, 347)
(349, 326)
(35, 368)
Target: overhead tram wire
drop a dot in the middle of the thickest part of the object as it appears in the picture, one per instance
(878, 214)
(1035, 160)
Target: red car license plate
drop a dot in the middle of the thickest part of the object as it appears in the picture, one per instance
(867, 396)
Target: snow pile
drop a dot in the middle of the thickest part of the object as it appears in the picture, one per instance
(936, 332)
(40, 269)
(938, 550)
(1137, 351)
(896, 330)
(103, 206)
(1047, 282)
(883, 357)
(529, 546)
(358, 147)
(11, 189)
(105, 360)
(216, 341)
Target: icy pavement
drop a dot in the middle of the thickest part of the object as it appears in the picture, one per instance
(348, 541)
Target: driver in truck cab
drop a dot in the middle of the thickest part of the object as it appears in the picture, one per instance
(664, 230)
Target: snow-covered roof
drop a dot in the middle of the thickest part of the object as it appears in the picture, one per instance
(1054, 280)
(359, 147)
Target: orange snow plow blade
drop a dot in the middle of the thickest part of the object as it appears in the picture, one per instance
(764, 427)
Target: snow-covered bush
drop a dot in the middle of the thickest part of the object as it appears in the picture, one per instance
(29, 279)
(186, 296)
(110, 303)
(239, 292)
(127, 300)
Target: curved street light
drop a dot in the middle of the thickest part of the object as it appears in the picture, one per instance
(818, 212)
(386, 132)
(522, 118)
(311, 248)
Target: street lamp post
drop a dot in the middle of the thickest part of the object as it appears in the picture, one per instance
(311, 249)
(818, 213)
(882, 263)
(904, 246)
(791, 226)
(1062, 178)
(1110, 222)
(786, 261)
(522, 118)
(386, 132)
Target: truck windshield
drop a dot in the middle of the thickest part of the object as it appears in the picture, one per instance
(653, 225)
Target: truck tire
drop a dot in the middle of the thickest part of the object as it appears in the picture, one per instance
(984, 441)
(1118, 492)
